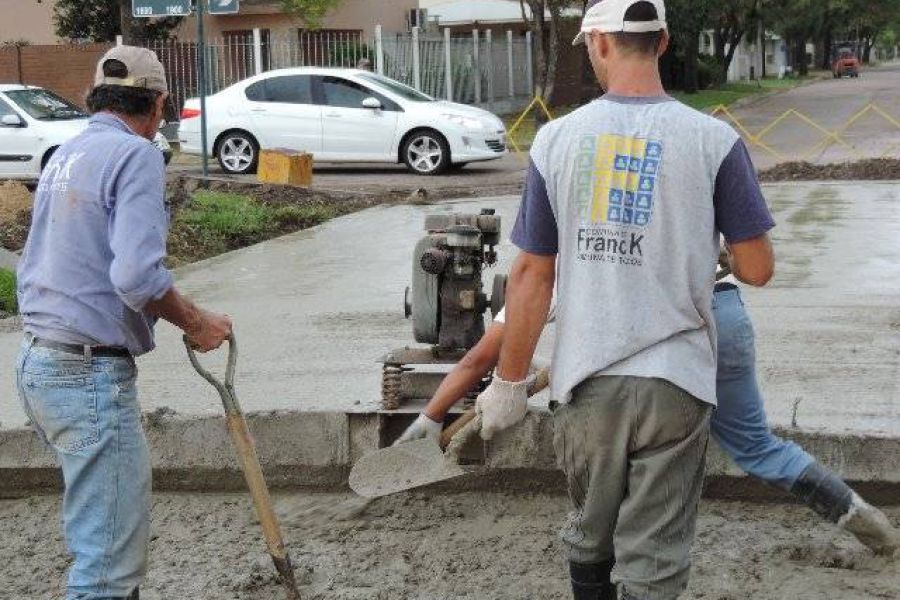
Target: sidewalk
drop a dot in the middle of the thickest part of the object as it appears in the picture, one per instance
(315, 310)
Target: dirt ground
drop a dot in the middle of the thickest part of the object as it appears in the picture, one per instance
(873, 169)
(491, 546)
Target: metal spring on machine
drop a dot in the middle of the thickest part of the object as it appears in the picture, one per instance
(390, 386)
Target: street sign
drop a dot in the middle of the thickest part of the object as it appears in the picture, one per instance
(161, 8)
(223, 7)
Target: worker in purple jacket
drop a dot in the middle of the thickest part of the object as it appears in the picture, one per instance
(92, 285)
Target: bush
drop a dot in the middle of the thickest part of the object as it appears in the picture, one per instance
(708, 72)
(8, 301)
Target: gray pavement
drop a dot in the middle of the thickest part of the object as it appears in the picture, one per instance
(314, 311)
(830, 103)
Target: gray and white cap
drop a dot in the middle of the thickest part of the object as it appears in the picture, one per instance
(608, 16)
(144, 69)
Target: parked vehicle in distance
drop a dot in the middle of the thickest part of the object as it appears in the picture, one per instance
(844, 61)
(33, 123)
(340, 115)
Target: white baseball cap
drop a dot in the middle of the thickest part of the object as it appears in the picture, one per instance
(608, 16)
(143, 66)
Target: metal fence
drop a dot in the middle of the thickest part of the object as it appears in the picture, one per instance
(486, 68)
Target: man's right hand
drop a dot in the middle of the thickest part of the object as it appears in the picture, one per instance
(209, 332)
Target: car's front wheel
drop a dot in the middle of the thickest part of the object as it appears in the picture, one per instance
(238, 153)
(426, 152)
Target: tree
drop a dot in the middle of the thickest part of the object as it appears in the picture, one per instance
(546, 35)
(103, 20)
(687, 19)
(731, 21)
(311, 11)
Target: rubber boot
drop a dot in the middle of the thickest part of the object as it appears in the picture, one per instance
(590, 581)
(831, 498)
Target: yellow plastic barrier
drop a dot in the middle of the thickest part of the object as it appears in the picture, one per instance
(537, 101)
(829, 137)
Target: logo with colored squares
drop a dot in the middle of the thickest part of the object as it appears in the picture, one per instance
(622, 181)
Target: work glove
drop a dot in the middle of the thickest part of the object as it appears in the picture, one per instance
(501, 405)
(422, 427)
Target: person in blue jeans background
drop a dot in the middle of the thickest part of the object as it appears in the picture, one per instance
(92, 285)
(738, 424)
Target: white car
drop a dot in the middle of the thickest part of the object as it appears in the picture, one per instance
(340, 115)
(33, 123)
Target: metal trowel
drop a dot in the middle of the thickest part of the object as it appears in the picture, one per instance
(420, 462)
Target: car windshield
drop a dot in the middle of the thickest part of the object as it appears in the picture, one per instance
(45, 105)
(404, 91)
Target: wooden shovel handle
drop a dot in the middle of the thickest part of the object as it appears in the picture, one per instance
(541, 381)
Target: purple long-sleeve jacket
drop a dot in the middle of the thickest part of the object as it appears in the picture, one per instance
(94, 256)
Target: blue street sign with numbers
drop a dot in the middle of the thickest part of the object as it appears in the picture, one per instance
(160, 8)
(223, 7)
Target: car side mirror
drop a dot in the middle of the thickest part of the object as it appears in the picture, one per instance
(371, 102)
(12, 121)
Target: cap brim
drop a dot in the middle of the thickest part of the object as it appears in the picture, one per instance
(579, 39)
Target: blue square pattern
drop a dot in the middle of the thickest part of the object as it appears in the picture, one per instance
(615, 196)
(654, 150)
(646, 184)
(629, 199)
(635, 165)
(651, 166)
(614, 214)
(627, 216)
(641, 218)
(644, 201)
(621, 163)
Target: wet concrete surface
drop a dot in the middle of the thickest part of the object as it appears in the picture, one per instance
(831, 105)
(316, 309)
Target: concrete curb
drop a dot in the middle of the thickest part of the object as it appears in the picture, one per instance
(317, 449)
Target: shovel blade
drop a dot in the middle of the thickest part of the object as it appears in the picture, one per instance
(402, 467)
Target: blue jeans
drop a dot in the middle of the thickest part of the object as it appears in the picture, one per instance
(739, 423)
(88, 412)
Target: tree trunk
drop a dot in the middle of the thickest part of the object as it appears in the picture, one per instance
(827, 38)
(733, 44)
(691, 59)
(125, 20)
(719, 37)
(801, 67)
(552, 53)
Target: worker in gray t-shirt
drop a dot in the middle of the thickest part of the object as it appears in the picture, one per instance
(625, 202)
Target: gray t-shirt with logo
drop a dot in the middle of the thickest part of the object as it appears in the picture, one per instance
(632, 195)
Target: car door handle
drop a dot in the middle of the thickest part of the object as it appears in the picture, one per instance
(258, 110)
(334, 114)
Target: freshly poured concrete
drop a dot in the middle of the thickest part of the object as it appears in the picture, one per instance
(316, 309)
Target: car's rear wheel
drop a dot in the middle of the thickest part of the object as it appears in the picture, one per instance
(238, 153)
(426, 152)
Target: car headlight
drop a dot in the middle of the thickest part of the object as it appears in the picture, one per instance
(466, 122)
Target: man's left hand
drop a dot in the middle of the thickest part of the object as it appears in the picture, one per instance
(501, 405)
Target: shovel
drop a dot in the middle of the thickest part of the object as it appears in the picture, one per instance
(421, 462)
(246, 450)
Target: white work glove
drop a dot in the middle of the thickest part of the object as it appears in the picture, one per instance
(501, 405)
(423, 427)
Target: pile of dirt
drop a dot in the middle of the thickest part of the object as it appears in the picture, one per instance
(15, 214)
(870, 169)
(476, 546)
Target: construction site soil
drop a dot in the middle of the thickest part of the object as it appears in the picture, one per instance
(488, 546)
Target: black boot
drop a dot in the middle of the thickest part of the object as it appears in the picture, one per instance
(830, 497)
(824, 492)
(590, 581)
(135, 595)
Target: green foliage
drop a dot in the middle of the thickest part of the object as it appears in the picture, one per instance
(311, 11)
(227, 216)
(8, 301)
(101, 21)
(300, 217)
